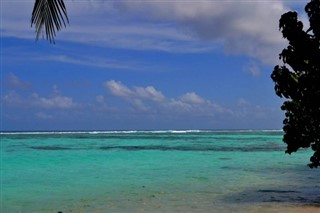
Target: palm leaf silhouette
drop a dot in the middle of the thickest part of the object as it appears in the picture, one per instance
(51, 15)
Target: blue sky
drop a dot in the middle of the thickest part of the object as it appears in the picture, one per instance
(144, 65)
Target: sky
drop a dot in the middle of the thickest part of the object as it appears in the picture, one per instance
(144, 65)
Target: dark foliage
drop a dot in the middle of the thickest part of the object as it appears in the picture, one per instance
(298, 81)
(51, 15)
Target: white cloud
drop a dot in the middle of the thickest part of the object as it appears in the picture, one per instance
(235, 24)
(35, 100)
(13, 82)
(192, 97)
(249, 111)
(92, 61)
(191, 107)
(44, 116)
(140, 105)
(253, 69)
(243, 102)
(241, 27)
(15, 19)
(13, 99)
(149, 93)
(118, 89)
(137, 36)
(149, 99)
(100, 99)
(59, 102)
(144, 105)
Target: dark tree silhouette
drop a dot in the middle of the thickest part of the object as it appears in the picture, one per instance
(298, 81)
(51, 15)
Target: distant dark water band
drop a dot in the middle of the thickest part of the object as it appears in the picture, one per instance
(168, 148)
(232, 135)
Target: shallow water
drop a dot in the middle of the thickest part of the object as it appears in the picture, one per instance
(230, 171)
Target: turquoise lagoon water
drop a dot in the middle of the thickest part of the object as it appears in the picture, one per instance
(169, 171)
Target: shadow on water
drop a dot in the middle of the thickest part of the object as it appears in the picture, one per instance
(249, 148)
(302, 187)
(50, 148)
(272, 195)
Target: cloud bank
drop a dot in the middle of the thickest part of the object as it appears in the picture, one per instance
(247, 28)
(125, 107)
(150, 100)
(242, 27)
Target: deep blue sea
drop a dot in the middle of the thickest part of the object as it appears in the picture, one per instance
(160, 171)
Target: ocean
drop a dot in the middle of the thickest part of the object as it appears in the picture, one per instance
(154, 171)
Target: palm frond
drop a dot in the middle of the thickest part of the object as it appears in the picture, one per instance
(51, 15)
